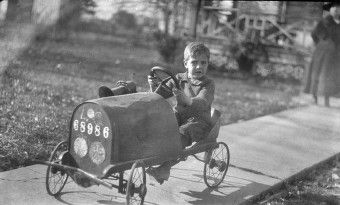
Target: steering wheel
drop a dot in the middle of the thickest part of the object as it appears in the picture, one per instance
(154, 73)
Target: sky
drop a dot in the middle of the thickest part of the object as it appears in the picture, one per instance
(104, 9)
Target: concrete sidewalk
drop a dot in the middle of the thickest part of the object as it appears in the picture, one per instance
(264, 151)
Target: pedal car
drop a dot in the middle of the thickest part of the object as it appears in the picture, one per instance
(111, 135)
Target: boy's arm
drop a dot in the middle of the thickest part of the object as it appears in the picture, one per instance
(205, 97)
(181, 98)
(202, 101)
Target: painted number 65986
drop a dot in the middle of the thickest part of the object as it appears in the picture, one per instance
(89, 128)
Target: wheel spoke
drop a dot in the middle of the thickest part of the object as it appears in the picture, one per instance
(136, 177)
(54, 184)
(219, 152)
(59, 178)
(134, 199)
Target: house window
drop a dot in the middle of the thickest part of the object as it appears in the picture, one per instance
(251, 22)
(259, 23)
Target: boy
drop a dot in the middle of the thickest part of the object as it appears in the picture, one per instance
(194, 101)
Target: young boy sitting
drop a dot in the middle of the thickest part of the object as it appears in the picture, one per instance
(194, 101)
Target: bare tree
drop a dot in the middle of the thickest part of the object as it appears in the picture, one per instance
(19, 10)
(12, 8)
(167, 8)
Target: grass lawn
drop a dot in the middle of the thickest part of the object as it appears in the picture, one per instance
(47, 81)
(320, 186)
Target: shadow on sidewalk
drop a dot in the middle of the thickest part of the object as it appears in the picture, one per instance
(206, 196)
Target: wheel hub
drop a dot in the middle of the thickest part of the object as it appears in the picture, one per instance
(212, 163)
(221, 166)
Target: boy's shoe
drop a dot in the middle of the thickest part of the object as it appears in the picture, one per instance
(104, 91)
(159, 173)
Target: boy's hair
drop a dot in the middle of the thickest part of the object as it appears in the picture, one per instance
(194, 49)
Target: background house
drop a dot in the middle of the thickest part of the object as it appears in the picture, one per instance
(282, 28)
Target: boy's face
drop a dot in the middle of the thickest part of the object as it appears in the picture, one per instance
(197, 66)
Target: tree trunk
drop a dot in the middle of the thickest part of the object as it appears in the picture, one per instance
(166, 22)
(12, 10)
(198, 7)
(192, 15)
(19, 11)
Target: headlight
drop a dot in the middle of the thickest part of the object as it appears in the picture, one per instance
(80, 146)
(97, 152)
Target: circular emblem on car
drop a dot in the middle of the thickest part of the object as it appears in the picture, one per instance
(97, 152)
(80, 147)
(90, 113)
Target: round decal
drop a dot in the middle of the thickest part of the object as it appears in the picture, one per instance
(80, 147)
(97, 152)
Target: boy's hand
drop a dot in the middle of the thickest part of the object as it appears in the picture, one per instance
(153, 80)
(181, 97)
(176, 92)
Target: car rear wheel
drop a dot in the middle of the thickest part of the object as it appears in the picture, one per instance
(216, 165)
(136, 185)
(56, 178)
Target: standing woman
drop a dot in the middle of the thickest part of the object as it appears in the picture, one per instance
(323, 75)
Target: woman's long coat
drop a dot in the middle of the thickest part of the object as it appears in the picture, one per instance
(323, 74)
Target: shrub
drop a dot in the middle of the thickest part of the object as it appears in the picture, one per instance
(125, 19)
(167, 46)
(96, 26)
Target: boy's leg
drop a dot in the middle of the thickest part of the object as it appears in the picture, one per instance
(193, 131)
(185, 140)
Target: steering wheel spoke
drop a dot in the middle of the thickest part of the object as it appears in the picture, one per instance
(167, 91)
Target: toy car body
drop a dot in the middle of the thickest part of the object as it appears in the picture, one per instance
(108, 132)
